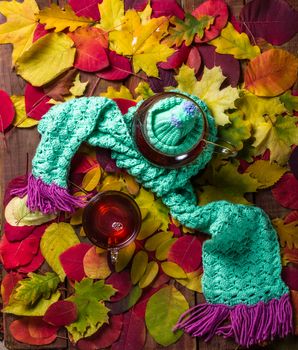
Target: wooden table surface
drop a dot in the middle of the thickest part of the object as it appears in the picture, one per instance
(18, 149)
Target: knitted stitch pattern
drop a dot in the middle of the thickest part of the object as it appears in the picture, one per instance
(246, 298)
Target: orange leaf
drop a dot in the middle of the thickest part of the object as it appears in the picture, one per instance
(96, 265)
(91, 179)
(271, 73)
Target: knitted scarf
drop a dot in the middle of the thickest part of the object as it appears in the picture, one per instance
(245, 297)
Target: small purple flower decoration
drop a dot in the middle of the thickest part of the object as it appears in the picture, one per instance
(189, 108)
(175, 121)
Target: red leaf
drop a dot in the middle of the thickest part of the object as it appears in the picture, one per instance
(286, 191)
(124, 104)
(34, 265)
(33, 331)
(17, 233)
(36, 102)
(7, 285)
(194, 59)
(91, 55)
(72, 261)
(177, 58)
(18, 254)
(166, 8)
(40, 31)
(16, 183)
(290, 276)
(187, 253)
(119, 68)
(104, 337)
(7, 111)
(133, 334)
(86, 8)
(217, 9)
(120, 281)
(61, 313)
(293, 162)
(229, 65)
(292, 216)
(82, 163)
(273, 20)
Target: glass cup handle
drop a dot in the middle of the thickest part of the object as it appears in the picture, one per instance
(114, 252)
(225, 151)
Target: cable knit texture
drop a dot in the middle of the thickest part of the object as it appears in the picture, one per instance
(246, 298)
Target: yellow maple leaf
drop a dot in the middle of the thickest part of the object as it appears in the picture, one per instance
(265, 172)
(233, 43)
(21, 120)
(113, 93)
(141, 42)
(55, 17)
(208, 89)
(46, 59)
(287, 233)
(111, 12)
(78, 88)
(20, 25)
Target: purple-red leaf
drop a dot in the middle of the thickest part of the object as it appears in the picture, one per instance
(7, 111)
(290, 276)
(119, 68)
(166, 78)
(104, 337)
(17, 233)
(7, 285)
(61, 313)
(33, 331)
(86, 8)
(293, 162)
(177, 58)
(187, 253)
(105, 160)
(159, 8)
(229, 65)
(286, 191)
(133, 334)
(36, 102)
(217, 9)
(194, 59)
(120, 281)
(72, 261)
(273, 20)
(34, 264)
(16, 183)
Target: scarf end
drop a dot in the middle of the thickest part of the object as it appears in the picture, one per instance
(48, 198)
(246, 324)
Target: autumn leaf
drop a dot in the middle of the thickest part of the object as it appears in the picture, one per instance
(287, 233)
(172, 269)
(78, 88)
(193, 281)
(60, 87)
(271, 73)
(124, 256)
(96, 264)
(265, 172)
(149, 275)
(163, 249)
(185, 30)
(61, 313)
(111, 13)
(164, 308)
(36, 286)
(17, 214)
(233, 43)
(141, 42)
(7, 111)
(120, 282)
(237, 131)
(21, 119)
(208, 89)
(289, 101)
(139, 265)
(286, 191)
(20, 25)
(113, 93)
(55, 17)
(57, 239)
(143, 90)
(153, 242)
(92, 313)
(46, 59)
(226, 183)
(119, 68)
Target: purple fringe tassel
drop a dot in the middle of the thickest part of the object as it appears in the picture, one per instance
(48, 198)
(246, 324)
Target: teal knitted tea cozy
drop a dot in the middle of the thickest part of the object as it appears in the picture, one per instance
(246, 298)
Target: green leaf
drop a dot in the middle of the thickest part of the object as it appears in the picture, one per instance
(139, 265)
(162, 313)
(149, 226)
(17, 214)
(29, 290)
(185, 30)
(17, 307)
(56, 240)
(124, 256)
(163, 250)
(289, 101)
(92, 313)
(155, 241)
(236, 132)
(173, 270)
(193, 281)
(149, 275)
